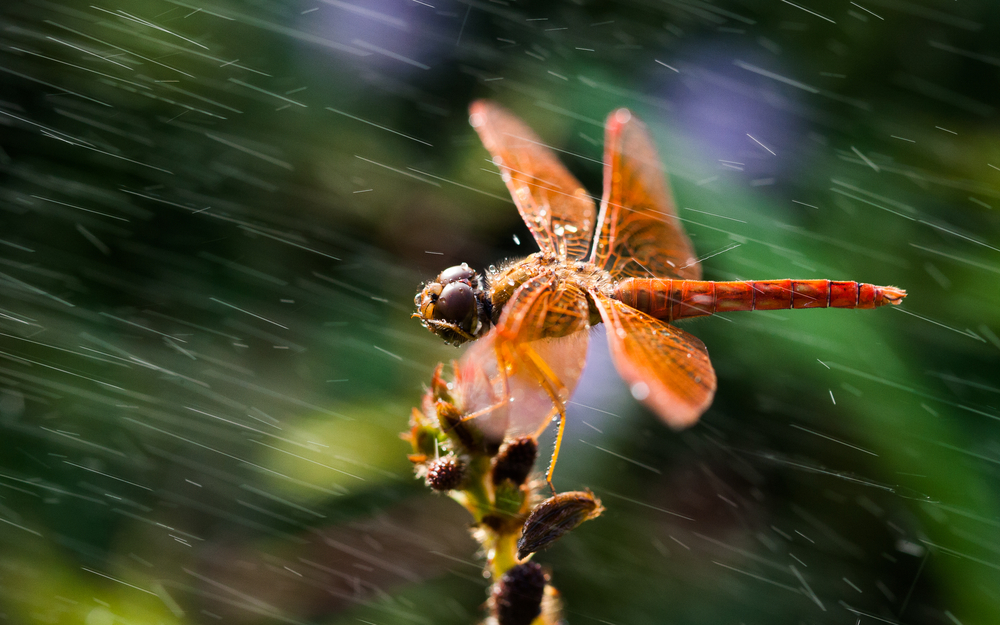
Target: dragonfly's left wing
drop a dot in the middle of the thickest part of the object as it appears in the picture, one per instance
(665, 367)
(540, 341)
(551, 201)
(506, 381)
(639, 235)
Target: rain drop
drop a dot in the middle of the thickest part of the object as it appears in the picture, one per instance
(640, 390)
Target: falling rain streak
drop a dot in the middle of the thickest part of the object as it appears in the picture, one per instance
(215, 217)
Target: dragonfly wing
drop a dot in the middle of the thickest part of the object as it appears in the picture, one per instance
(665, 367)
(516, 402)
(639, 235)
(531, 405)
(544, 307)
(553, 204)
(480, 389)
(541, 343)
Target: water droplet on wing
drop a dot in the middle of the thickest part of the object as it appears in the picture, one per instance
(640, 390)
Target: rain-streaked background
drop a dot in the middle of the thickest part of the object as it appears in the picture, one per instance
(216, 214)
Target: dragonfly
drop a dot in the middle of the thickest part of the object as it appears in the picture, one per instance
(628, 264)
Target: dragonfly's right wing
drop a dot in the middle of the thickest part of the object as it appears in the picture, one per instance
(544, 307)
(553, 204)
(639, 235)
(665, 367)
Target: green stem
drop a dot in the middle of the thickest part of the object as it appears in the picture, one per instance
(478, 494)
(504, 555)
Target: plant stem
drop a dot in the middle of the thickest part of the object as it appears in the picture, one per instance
(504, 555)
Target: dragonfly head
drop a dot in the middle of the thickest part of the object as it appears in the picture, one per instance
(455, 305)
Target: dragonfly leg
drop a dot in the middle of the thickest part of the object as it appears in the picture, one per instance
(447, 326)
(481, 412)
(555, 449)
(555, 389)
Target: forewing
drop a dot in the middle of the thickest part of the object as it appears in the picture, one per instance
(553, 204)
(665, 367)
(638, 234)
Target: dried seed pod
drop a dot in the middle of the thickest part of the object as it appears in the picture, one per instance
(515, 460)
(554, 517)
(462, 432)
(445, 473)
(517, 597)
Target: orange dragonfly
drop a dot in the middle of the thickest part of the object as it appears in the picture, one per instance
(637, 273)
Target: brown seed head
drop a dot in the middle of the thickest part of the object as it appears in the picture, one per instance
(515, 460)
(445, 473)
(517, 597)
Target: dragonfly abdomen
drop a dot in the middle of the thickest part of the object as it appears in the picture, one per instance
(671, 300)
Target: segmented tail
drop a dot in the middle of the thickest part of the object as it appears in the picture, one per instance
(680, 299)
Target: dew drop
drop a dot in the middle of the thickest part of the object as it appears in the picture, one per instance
(640, 390)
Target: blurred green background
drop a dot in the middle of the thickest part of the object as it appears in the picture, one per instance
(216, 214)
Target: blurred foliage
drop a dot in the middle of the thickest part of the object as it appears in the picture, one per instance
(215, 215)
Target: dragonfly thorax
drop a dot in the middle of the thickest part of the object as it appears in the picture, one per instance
(574, 274)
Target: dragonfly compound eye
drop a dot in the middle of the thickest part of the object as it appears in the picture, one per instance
(456, 303)
(458, 273)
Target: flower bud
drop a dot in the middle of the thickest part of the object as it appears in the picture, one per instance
(445, 473)
(439, 388)
(515, 460)
(463, 431)
(422, 436)
(517, 597)
(554, 517)
(509, 499)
